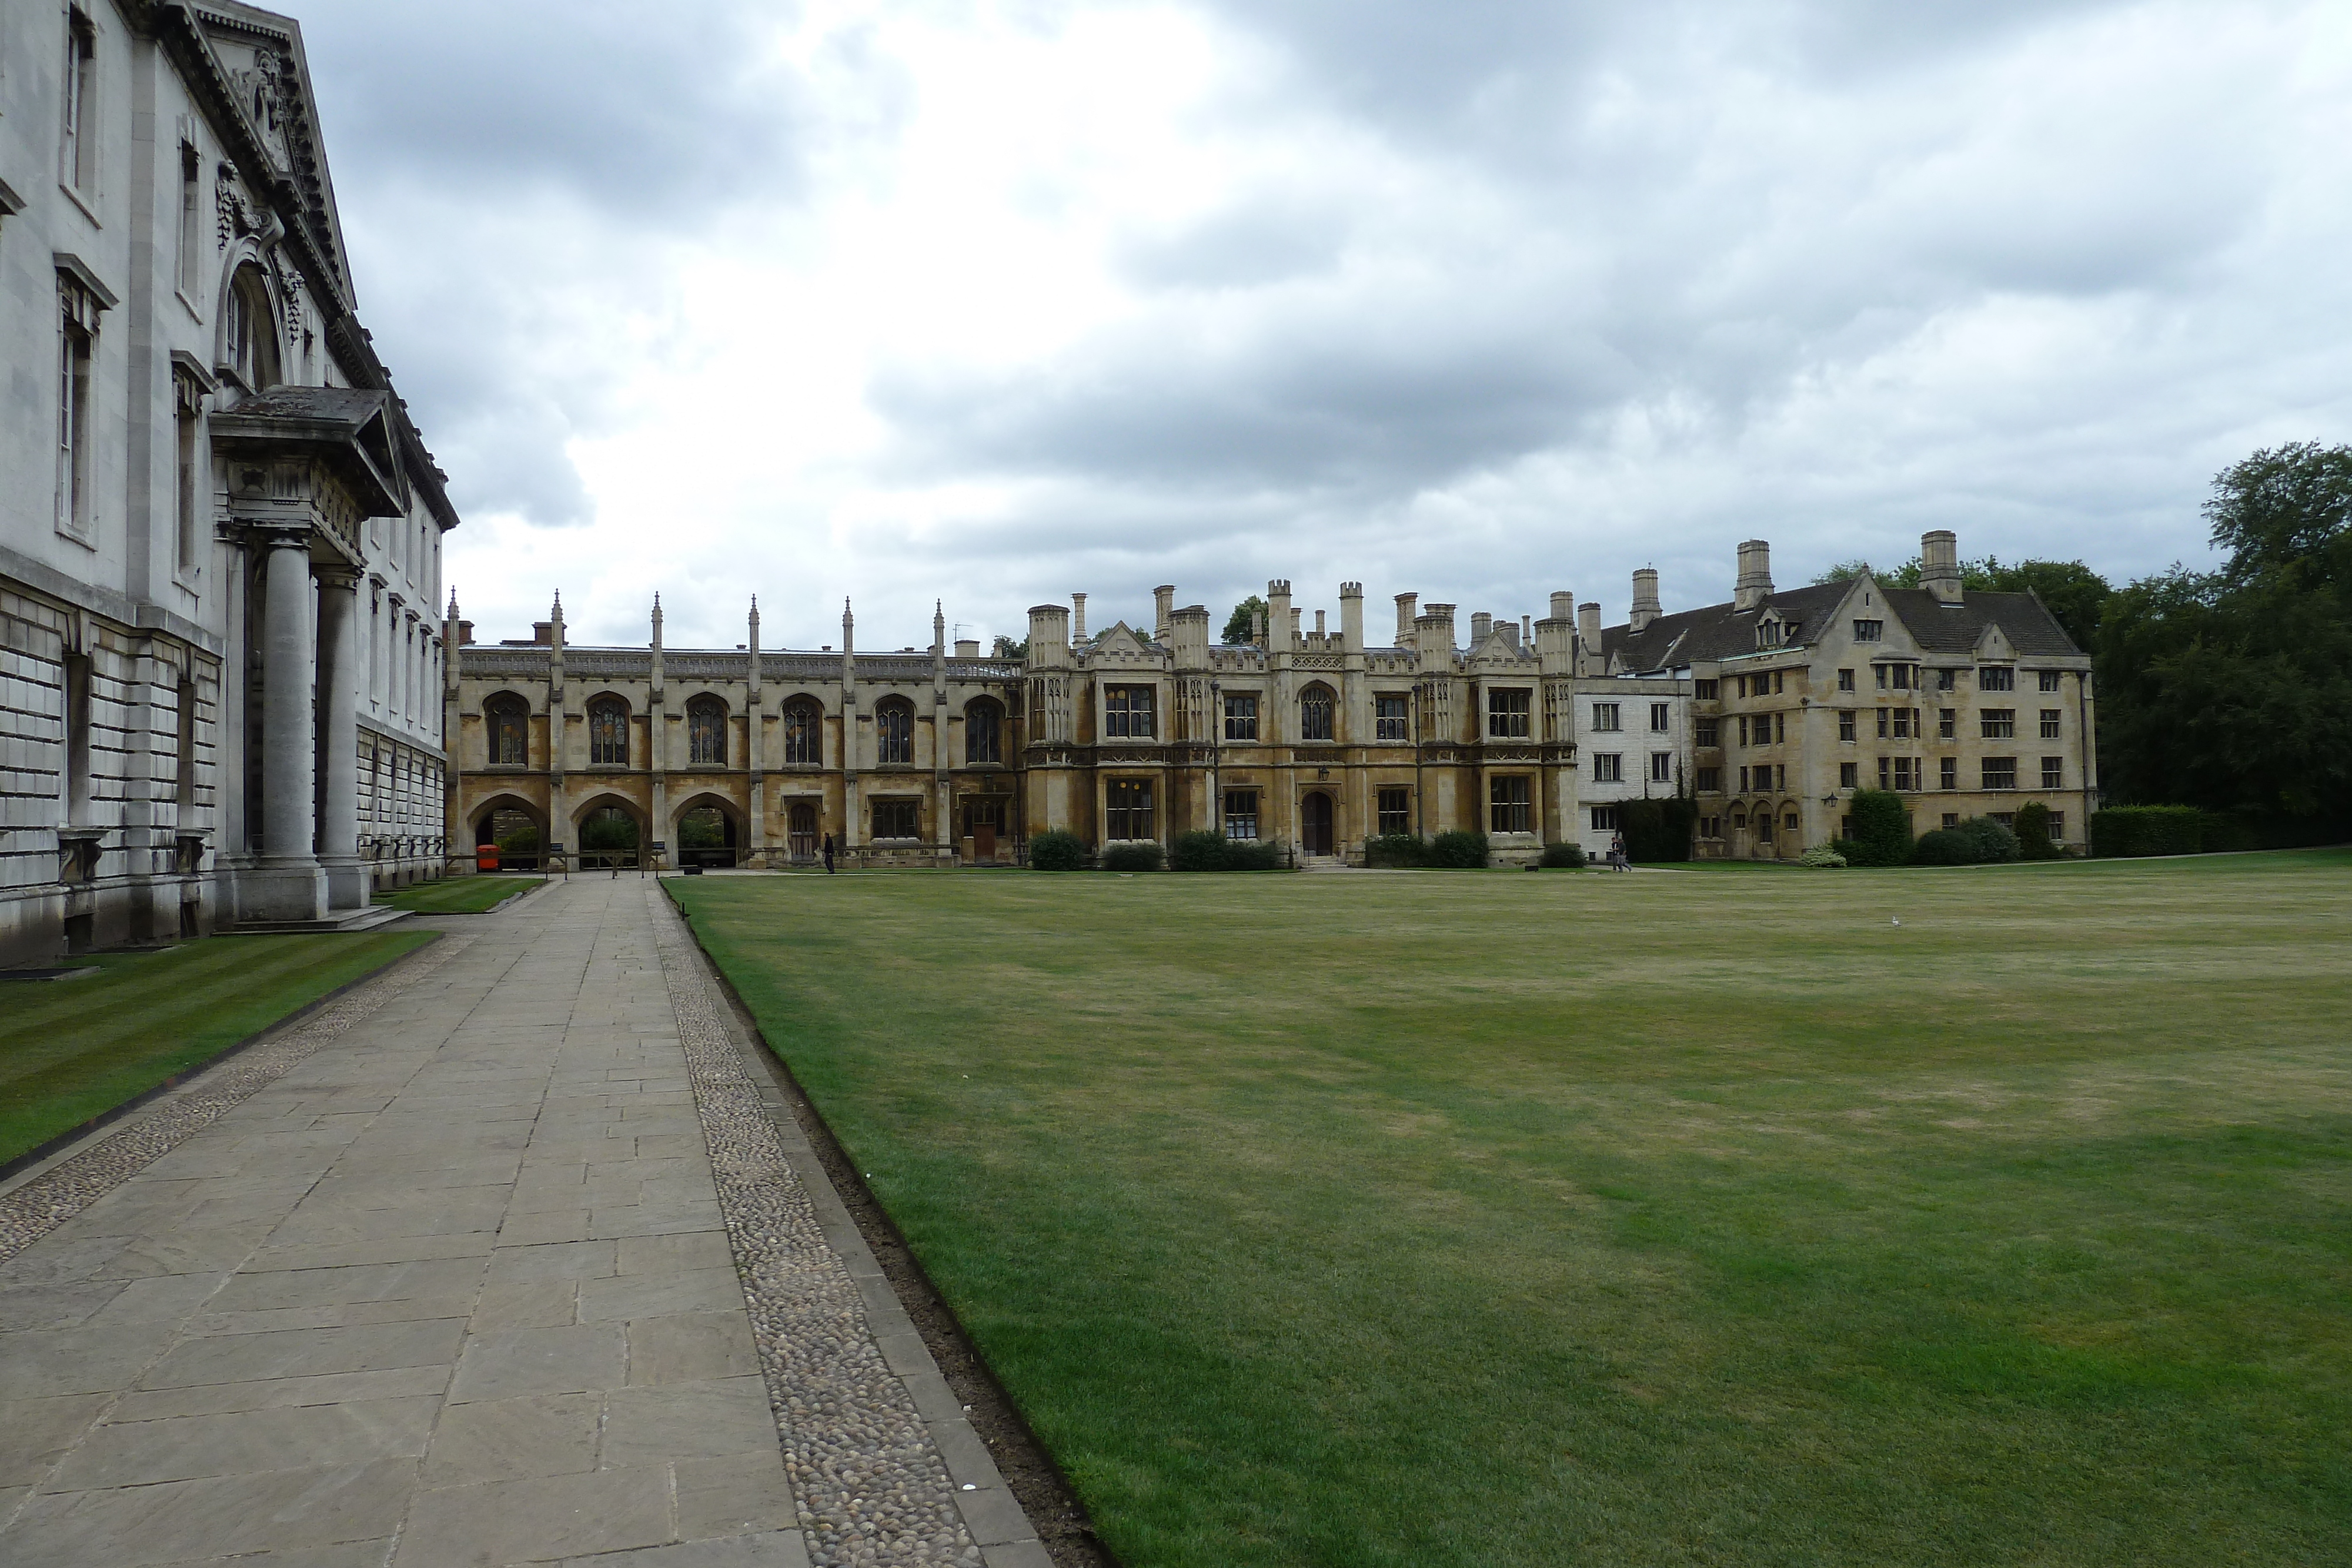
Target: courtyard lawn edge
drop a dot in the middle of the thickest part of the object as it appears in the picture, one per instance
(95, 1095)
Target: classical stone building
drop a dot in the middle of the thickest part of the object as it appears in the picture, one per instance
(220, 535)
(1966, 703)
(1767, 710)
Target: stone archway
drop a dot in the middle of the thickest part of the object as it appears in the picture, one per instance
(517, 827)
(707, 830)
(608, 832)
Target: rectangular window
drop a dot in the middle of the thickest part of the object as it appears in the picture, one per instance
(1903, 724)
(1662, 767)
(1127, 712)
(2050, 724)
(1241, 814)
(1996, 678)
(188, 403)
(1849, 775)
(1902, 673)
(1885, 774)
(1948, 724)
(1905, 779)
(1710, 781)
(1882, 723)
(1128, 813)
(1705, 731)
(1396, 809)
(1846, 723)
(1744, 785)
(1845, 680)
(2000, 773)
(2054, 773)
(2057, 826)
(1868, 630)
(1390, 720)
(1604, 717)
(1945, 680)
(1508, 804)
(1604, 818)
(897, 819)
(78, 144)
(1951, 819)
(2050, 679)
(2006, 818)
(1661, 720)
(1240, 718)
(1608, 767)
(1506, 714)
(1705, 691)
(73, 417)
(1743, 730)
(1878, 673)
(1951, 773)
(1998, 722)
(187, 275)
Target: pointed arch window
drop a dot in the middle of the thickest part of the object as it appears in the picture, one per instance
(983, 733)
(1315, 711)
(803, 735)
(894, 733)
(706, 733)
(510, 720)
(608, 732)
(252, 330)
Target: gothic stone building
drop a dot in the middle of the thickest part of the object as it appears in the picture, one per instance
(1767, 710)
(220, 535)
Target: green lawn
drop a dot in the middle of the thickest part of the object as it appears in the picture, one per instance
(72, 1049)
(1445, 1219)
(458, 894)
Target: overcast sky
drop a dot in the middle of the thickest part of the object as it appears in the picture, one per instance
(991, 302)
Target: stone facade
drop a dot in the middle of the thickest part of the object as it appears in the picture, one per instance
(1767, 711)
(220, 535)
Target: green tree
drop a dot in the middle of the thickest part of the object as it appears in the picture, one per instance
(2232, 689)
(1006, 648)
(1881, 828)
(1240, 626)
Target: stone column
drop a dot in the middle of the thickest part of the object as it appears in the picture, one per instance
(338, 752)
(289, 885)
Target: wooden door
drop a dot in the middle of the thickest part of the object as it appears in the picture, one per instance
(1316, 823)
(803, 832)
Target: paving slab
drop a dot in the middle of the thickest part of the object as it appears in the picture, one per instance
(480, 1264)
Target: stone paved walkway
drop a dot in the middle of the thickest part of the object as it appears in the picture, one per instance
(455, 1290)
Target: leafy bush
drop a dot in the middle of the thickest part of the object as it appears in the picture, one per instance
(608, 832)
(2033, 832)
(522, 841)
(1396, 849)
(1881, 828)
(1458, 850)
(1201, 849)
(1822, 857)
(1253, 854)
(1658, 831)
(1979, 841)
(1057, 849)
(1564, 857)
(1132, 857)
(2147, 831)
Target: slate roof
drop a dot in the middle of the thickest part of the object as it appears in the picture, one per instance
(1719, 632)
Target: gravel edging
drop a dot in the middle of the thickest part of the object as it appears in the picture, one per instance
(54, 1195)
(870, 1485)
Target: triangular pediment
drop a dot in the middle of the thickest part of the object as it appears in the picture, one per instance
(1994, 645)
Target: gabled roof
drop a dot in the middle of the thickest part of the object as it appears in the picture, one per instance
(1719, 632)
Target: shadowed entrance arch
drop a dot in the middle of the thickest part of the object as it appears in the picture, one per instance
(1315, 822)
(707, 833)
(515, 826)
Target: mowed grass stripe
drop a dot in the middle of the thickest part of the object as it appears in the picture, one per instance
(72, 1050)
(459, 894)
(1678, 1219)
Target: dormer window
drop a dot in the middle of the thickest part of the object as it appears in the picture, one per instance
(1770, 631)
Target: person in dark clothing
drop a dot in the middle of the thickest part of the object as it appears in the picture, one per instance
(828, 854)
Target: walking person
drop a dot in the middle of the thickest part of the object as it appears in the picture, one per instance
(828, 854)
(1617, 860)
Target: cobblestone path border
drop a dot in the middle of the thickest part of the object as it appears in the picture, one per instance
(867, 1481)
(55, 1195)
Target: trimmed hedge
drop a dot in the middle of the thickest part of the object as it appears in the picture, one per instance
(1206, 849)
(1979, 841)
(1395, 851)
(1458, 850)
(1882, 829)
(2122, 831)
(1564, 857)
(1057, 849)
(1133, 857)
(1658, 831)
